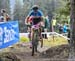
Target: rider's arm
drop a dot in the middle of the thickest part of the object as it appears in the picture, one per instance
(42, 18)
(26, 20)
(40, 13)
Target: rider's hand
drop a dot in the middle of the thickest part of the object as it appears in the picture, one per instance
(42, 24)
(26, 20)
(26, 23)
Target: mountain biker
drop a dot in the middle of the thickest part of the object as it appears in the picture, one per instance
(4, 16)
(35, 13)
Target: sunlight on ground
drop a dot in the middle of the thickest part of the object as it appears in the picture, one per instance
(55, 42)
(50, 42)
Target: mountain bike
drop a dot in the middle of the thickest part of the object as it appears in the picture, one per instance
(36, 38)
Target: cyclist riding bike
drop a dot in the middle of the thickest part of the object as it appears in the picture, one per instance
(34, 20)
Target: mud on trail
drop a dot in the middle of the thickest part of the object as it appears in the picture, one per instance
(23, 53)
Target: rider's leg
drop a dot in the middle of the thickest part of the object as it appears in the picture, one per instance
(33, 47)
(41, 29)
(33, 50)
(36, 48)
(32, 31)
(41, 38)
(29, 30)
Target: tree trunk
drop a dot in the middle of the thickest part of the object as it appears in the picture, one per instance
(72, 22)
(72, 30)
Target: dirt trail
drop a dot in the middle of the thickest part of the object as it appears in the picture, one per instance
(53, 54)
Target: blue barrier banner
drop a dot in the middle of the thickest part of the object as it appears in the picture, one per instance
(9, 33)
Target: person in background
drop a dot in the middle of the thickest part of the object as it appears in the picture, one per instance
(47, 26)
(1, 18)
(5, 15)
(65, 28)
(60, 27)
(45, 35)
(54, 24)
(48, 23)
(69, 35)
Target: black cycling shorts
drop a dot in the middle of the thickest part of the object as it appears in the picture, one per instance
(36, 21)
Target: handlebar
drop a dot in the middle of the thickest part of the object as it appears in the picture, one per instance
(33, 20)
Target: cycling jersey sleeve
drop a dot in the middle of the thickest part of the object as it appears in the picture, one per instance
(40, 13)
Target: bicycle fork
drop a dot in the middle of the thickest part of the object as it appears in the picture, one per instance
(34, 44)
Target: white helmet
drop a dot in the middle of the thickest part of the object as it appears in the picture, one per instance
(35, 7)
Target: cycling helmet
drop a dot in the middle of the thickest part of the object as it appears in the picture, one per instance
(35, 7)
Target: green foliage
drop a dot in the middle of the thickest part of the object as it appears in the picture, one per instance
(24, 39)
(63, 12)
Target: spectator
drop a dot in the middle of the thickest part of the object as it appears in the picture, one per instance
(68, 35)
(65, 28)
(47, 23)
(1, 18)
(54, 24)
(5, 16)
(60, 28)
(45, 29)
(45, 35)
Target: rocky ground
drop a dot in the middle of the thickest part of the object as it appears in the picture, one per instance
(23, 53)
